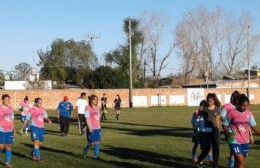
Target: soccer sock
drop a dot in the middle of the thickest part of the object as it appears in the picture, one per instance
(231, 163)
(210, 157)
(86, 149)
(37, 153)
(96, 150)
(8, 156)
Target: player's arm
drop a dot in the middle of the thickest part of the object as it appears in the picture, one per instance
(27, 119)
(88, 121)
(58, 111)
(251, 137)
(225, 126)
(46, 118)
(253, 125)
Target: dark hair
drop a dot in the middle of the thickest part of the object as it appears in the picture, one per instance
(234, 97)
(82, 94)
(242, 99)
(204, 103)
(4, 96)
(215, 98)
(36, 100)
(90, 100)
(26, 98)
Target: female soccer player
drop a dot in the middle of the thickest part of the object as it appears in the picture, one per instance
(104, 107)
(94, 128)
(225, 111)
(195, 121)
(117, 102)
(237, 124)
(24, 109)
(6, 129)
(36, 115)
(211, 139)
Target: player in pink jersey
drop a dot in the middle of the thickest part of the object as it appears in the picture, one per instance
(94, 128)
(237, 125)
(6, 129)
(37, 115)
(225, 110)
(24, 109)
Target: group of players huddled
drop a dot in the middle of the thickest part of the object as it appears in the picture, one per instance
(237, 122)
(34, 115)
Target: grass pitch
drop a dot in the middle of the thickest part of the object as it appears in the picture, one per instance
(145, 137)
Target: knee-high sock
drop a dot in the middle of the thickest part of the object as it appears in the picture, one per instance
(96, 150)
(86, 149)
(37, 153)
(8, 156)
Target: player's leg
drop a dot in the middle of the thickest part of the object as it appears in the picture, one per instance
(8, 156)
(62, 125)
(205, 146)
(97, 139)
(89, 144)
(215, 141)
(66, 126)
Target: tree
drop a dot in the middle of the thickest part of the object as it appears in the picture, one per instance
(23, 71)
(232, 38)
(2, 78)
(153, 26)
(67, 61)
(213, 43)
(119, 58)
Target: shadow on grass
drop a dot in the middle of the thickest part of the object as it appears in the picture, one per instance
(135, 124)
(147, 157)
(55, 150)
(175, 132)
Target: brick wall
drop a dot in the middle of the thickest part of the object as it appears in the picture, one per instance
(149, 96)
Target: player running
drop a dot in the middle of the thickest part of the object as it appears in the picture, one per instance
(36, 115)
(6, 129)
(24, 109)
(118, 104)
(237, 125)
(92, 115)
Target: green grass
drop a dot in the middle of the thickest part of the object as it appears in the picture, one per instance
(150, 137)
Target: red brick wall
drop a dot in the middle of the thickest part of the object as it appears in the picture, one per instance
(52, 97)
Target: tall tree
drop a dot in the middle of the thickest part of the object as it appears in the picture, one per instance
(153, 26)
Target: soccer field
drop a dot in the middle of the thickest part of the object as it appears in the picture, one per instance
(148, 137)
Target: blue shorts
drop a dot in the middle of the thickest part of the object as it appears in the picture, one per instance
(6, 138)
(37, 134)
(239, 149)
(95, 136)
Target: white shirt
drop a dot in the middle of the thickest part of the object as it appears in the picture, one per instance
(81, 104)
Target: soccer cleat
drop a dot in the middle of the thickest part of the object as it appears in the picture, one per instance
(39, 161)
(33, 156)
(8, 165)
(200, 165)
(97, 158)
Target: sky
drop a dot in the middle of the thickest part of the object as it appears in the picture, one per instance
(29, 25)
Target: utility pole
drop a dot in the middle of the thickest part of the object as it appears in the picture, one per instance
(130, 65)
(91, 38)
(144, 73)
(248, 63)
